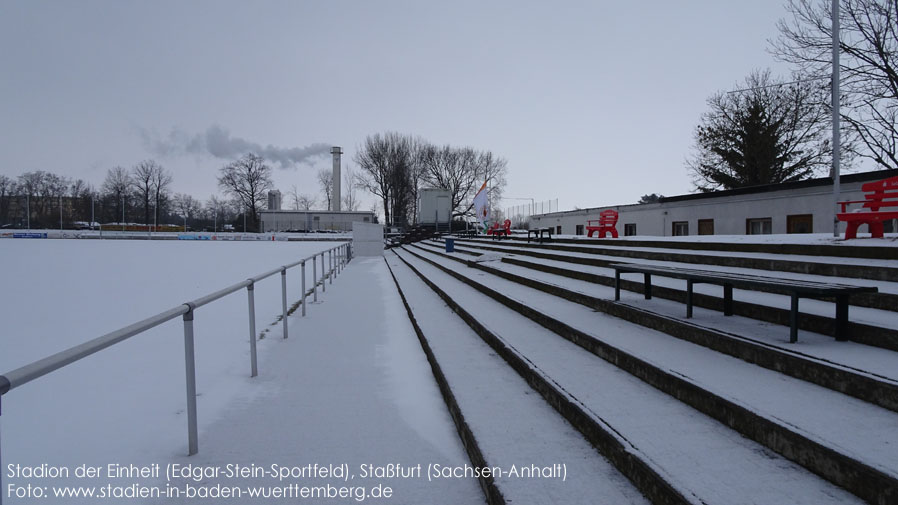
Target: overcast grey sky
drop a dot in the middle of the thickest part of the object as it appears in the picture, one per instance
(591, 102)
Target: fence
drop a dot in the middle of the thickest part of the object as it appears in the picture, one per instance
(337, 257)
(520, 214)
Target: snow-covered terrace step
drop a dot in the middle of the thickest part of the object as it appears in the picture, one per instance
(886, 299)
(504, 423)
(838, 267)
(868, 326)
(866, 373)
(802, 244)
(695, 452)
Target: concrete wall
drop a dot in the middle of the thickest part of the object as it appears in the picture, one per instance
(367, 239)
(728, 210)
(274, 221)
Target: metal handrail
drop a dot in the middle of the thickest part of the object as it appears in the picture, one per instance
(339, 255)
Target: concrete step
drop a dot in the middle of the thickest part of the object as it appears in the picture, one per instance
(501, 422)
(703, 457)
(884, 270)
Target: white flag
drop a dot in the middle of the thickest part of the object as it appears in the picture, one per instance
(482, 206)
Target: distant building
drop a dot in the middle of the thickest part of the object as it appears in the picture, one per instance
(274, 200)
(794, 207)
(312, 220)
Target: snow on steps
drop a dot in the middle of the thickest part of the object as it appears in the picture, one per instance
(476, 386)
(886, 270)
(703, 459)
(816, 315)
(857, 370)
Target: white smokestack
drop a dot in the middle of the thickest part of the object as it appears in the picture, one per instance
(335, 200)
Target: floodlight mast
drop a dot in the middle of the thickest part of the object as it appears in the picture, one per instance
(835, 109)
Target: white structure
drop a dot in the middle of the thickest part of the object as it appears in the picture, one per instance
(434, 206)
(274, 200)
(312, 220)
(796, 207)
(367, 239)
(335, 200)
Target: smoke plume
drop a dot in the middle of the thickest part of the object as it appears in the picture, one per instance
(219, 142)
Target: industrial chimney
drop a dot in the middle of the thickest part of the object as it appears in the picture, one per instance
(335, 198)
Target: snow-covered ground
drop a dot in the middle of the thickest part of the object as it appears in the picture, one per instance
(126, 403)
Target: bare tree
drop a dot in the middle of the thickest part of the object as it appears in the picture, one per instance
(767, 133)
(301, 201)
(142, 181)
(186, 206)
(7, 190)
(868, 66)
(350, 183)
(247, 180)
(161, 182)
(391, 165)
(115, 188)
(326, 182)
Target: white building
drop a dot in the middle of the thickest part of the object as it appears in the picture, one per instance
(312, 220)
(795, 207)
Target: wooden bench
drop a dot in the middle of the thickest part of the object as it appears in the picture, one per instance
(795, 288)
(607, 223)
(539, 233)
(879, 194)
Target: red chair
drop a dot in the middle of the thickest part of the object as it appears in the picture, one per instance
(878, 194)
(606, 224)
(497, 232)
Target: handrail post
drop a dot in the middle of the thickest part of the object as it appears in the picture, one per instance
(330, 262)
(302, 266)
(252, 329)
(190, 373)
(284, 297)
(314, 280)
(323, 275)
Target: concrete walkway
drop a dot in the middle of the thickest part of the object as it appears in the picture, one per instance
(351, 386)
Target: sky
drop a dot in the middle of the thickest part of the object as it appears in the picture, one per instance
(590, 102)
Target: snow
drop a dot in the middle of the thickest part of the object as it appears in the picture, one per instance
(699, 455)
(126, 403)
(508, 438)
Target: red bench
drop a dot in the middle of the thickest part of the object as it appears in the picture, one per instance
(498, 232)
(606, 224)
(877, 195)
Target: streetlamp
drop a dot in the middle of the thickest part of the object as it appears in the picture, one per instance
(835, 108)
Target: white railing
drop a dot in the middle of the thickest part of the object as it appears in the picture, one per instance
(337, 257)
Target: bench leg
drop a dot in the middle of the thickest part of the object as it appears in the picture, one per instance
(688, 298)
(793, 320)
(617, 285)
(648, 286)
(876, 229)
(841, 318)
(851, 230)
(727, 300)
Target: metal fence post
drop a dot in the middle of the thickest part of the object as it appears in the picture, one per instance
(323, 275)
(302, 265)
(284, 297)
(190, 372)
(252, 329)
(330, 263)
(314, 280)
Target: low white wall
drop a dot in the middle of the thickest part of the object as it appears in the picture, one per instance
(367, 239)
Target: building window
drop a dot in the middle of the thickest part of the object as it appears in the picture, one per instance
(800, 223)
(759, 226)
(680, 228)
(366, 219)
(629, 229)
(558, 230)
(579, 229)
(706, 227)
